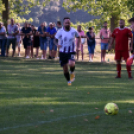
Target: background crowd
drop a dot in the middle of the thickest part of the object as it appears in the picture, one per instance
(43, 38)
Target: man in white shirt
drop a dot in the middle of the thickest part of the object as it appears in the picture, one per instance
(12, 31)
(67, 48)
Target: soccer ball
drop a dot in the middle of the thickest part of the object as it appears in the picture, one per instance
(111, 109)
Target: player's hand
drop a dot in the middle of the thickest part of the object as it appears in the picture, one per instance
(110, 47)
(131, 49)
(59, 46)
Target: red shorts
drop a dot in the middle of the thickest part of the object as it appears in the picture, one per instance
(121, 54)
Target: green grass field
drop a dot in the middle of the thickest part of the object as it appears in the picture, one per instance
(35, 98)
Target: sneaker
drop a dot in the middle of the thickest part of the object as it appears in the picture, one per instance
(49, 57)
(69, 83)
(72, 77)
(27, 57)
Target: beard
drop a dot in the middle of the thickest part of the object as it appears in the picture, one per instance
(122, 26)
(67, 28)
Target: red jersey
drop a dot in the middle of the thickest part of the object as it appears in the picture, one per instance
(121, 38)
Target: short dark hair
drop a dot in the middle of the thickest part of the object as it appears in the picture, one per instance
(66, 18)
(131, 20)
(59, 22)
(90, 28)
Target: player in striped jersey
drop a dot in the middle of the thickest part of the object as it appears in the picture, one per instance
(67, 48)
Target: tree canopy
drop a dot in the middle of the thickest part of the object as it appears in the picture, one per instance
(18, 8)
(107, 10)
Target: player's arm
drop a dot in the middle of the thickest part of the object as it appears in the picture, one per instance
(56, 40)
(131, 48)
(111, 43)
(56, 43)
(130, 35)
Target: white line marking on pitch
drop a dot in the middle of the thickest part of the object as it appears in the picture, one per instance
(53, 120)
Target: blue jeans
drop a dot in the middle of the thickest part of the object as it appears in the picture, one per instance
(52, 46)
(3, 46)
(43, 43)
(91, 49)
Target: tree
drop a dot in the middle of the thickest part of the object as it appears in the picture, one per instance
(16, 8)
(107, 10)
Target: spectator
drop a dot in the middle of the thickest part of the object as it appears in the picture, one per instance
(59, 26)
(32, 27)
(54, 25)
(43, 40)
(91, 43)
(52, 47)
(36, 41)
(104, 35)
(80, 47)
(12, 31)
(2, 39)
(18, 39)
(27, 32)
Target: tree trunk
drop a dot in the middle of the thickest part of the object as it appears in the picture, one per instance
(5, 14)
(113, 23)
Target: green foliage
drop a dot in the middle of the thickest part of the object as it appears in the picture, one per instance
(105, 9)
(19, 8)
(2, 8)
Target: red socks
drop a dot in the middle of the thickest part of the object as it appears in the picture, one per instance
(118, 70)
(129, 71)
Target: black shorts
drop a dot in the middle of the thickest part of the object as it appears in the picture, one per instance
(65, 57)
(27, 42)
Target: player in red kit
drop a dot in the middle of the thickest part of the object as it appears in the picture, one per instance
(121, 36)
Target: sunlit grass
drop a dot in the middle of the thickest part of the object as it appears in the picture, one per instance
(35, 98)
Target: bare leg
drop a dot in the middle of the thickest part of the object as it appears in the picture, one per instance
(37, 52)
(28, 50)
(32, 51)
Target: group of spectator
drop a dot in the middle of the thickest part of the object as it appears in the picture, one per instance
(43, 37)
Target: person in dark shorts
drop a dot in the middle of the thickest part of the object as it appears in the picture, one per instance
(66, 46)
(26, 31)
(91, 43)
(12, 31)
(36, 41)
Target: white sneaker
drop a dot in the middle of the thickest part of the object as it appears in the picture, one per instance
(91, 60)
(27, 57)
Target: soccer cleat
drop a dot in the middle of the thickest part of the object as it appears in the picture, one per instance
(130, 78)
(72, 77)
(117, 77)
(69, 83)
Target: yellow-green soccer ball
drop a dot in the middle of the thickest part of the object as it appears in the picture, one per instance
(111, 109)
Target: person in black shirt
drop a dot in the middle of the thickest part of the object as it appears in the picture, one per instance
(27, 32)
